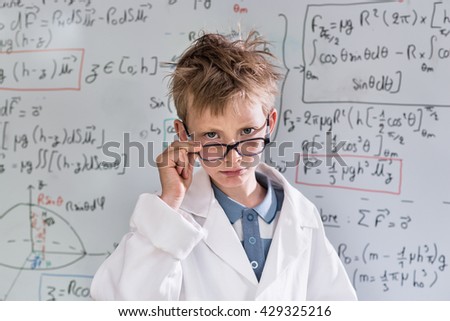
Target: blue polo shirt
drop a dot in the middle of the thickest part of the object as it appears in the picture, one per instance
(267, 212)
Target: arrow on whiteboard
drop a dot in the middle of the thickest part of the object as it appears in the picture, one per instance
(300, 68)
(33, 8)
(30, 194)
(172, 64)
(107, 253)
(73, 57)
(147, 5)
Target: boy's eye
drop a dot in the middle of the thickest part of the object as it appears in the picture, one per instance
(247, 131)
(211, 135)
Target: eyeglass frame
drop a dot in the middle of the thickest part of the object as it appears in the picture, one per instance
(235, 145)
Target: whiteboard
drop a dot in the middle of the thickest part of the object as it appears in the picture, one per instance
(363, 130)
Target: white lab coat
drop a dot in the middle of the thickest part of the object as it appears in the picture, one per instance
(195, 254)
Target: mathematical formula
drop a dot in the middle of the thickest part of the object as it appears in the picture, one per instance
(335, 49)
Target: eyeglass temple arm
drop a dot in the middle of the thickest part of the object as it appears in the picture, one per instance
(186, 130)
(267, 138)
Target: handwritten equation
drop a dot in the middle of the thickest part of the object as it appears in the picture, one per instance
(413, 266)
(42, 149)
(64, 287)
(355, 147)
(356, 172)
(350, 59)
(368, 217)
(50, 69)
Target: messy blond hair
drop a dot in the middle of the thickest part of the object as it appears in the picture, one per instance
(214, 73)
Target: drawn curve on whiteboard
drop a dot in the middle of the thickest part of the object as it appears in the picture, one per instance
(31, 233)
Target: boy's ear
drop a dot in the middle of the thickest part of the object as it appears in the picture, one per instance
(179, 128)
(273, 116)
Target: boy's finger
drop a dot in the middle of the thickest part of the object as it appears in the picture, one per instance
(189, 146)
(180, 155)
(179, 169)
(192, 157)
(190, 165)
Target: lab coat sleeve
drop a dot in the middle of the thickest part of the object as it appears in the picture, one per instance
(328, 279)
(146, 265)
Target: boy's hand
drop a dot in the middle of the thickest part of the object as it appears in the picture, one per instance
(176, 165)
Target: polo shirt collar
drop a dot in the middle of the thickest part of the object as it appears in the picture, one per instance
(233, 209)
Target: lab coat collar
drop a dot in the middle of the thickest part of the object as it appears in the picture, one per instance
(289, 241)
(200, 194)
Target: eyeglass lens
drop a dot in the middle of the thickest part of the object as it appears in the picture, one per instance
(245, 148)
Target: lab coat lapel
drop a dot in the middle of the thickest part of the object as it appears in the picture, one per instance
(290, 241)
(292, 237)
(220, 237)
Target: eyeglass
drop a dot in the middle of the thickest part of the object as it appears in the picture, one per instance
(246, 147)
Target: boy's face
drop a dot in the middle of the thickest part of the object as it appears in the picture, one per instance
(234, 170)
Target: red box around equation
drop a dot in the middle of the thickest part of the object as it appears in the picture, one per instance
(37, 63)
(319, 176)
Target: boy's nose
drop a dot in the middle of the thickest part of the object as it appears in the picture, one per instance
(232, 157)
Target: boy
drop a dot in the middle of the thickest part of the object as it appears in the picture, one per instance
(236, 229)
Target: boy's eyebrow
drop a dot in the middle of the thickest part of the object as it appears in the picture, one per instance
(217, 130)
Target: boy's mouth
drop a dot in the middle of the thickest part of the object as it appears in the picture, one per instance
(234, 172)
